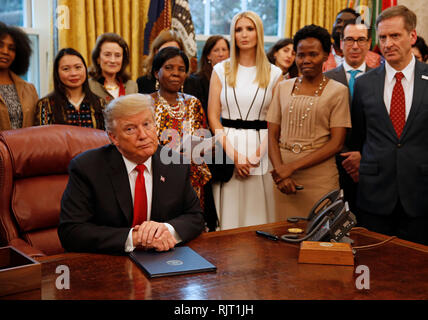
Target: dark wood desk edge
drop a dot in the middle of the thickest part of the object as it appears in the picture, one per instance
(208, 235)
(242, 230)
(63, 256)
(358, 230)
(378, 236)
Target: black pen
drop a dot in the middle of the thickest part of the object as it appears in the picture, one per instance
(267, 235)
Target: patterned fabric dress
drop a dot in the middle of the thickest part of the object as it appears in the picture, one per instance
(171, 127)
(10, 97)
(86, 116)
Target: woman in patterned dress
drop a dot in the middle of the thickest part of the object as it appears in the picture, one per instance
(71, 102)
(178, 114)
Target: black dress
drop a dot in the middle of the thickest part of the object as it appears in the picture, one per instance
(146, 84)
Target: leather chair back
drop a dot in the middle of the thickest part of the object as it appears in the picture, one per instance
(33, 176)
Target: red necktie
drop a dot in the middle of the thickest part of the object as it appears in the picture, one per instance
(398, 105)
(140, 197)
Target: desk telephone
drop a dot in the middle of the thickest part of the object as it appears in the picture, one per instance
(328, 220)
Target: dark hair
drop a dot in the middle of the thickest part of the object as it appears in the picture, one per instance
(349, 10)
(165, 54)
(59, 95)
(95, 71)
(206, 68)
(313, 31)
(422, 47)
(399, 11)
(23, 49)
(293, 71)
(354, 22)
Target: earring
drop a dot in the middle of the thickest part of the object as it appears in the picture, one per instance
(182, 88)
(209, 61)
(157, 85)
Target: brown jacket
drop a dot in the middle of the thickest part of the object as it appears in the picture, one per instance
(27, 97)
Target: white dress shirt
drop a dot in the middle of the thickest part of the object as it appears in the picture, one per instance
(407, 82)
(339, 59)
(148, 181)
(347, 68)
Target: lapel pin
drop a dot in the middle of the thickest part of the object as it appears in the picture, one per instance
(162, 178)
(424, 77)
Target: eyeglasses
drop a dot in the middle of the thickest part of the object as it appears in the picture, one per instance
(349, 41)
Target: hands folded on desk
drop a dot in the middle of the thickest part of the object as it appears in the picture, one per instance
(153, 235)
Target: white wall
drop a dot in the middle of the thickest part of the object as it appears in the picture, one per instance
(420, 7)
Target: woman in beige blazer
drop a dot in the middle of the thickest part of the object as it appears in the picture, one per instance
(18, 98)
(110, 58)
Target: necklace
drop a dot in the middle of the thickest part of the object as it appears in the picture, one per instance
(297, 85)
(178, 112)
(317, 91)
(111, 87)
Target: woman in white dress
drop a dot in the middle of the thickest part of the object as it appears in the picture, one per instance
(241, 90)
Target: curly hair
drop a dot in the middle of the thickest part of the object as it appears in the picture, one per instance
(313, 31)
(95, 70)
(23, 49)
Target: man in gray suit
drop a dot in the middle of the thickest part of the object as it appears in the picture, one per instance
(389, 127)
(355, 43)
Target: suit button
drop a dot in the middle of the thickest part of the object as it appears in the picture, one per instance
(399, 145)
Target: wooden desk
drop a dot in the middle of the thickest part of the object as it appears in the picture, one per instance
(249, 267)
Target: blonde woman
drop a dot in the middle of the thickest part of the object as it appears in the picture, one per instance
(240, 92)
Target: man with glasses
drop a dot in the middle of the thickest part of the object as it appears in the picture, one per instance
(122, 196)
(355, 43)
(336, 56)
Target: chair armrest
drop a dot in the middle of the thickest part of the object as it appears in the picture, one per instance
(24, 247)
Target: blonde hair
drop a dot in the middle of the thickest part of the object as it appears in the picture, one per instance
(263, 66)
(125, 106)
(166, 35)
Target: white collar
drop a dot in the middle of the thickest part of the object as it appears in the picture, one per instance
(408, 71)
(334, 51)
(347, 67)
(78, 103)
(130, 165)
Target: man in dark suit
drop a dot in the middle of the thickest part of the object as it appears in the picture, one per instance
(355, 43)
(336, 56)
(390, 117)
(126, 195)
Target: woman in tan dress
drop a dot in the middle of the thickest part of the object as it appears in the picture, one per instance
(307, 119)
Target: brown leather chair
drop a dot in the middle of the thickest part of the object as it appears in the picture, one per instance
(33, 176)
